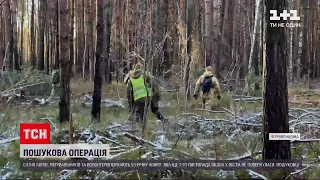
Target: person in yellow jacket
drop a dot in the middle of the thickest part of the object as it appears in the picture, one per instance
(142, 91)
(209, 86)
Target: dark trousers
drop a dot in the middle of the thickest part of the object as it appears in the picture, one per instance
(140, 108)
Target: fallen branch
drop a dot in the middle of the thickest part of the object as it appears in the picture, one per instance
(140, 140)
(298, 102)
(253, 99)
(170, 90)
(257, 174)
(227, 110)
(4, 141)
(244, 157)
(121, 154)
(296, 172)
(13, 89)
(234, 122)
(207, 110)
(305, 140)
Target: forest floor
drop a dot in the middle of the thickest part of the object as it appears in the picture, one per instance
(232, 130)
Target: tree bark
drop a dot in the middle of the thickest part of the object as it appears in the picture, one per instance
(208, 32)
(41, 23)
(64, 104)
(253, 44)
(21, 52)
(89, 16)
(32, 38)
(71, 43)
(15, 34)
(2, 43)
(96, 102)
(8, 36)
(106, 40)
(275, 107)
(57, 31)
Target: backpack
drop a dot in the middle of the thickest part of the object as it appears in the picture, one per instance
(56, 77)
(207, 84)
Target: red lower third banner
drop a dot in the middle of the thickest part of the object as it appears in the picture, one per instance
(34, 133)
(146, 165)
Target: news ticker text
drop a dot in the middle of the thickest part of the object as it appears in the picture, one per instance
(127, 165)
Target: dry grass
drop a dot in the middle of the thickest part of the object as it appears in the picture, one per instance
(81, 116)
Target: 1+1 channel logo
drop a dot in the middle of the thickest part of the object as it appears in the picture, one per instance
(292, 15)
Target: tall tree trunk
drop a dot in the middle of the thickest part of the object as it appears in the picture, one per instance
(90, 38)
(72, 35)
(21, 53)
(96, 102)
(65, 65)
(253, 44)
(32, 38)
(191, 15)
(215, 35)
(208, 32)
(41, 23)
(304, 54)
(8, 36)
(80, 37)
(14, 8)
(2, 33)
(57, 49)
(48, 41)
(106, 40)
(275, 107)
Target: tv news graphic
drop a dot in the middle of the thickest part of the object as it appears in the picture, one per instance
(34, 133)
(284, 136)
(64, 151)
(147, 165)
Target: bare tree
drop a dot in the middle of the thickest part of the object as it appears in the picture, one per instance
(65, 65)
(106, 39)
(41, 22)
(21, 52)
(2, 32)
(96, 102)
(8, 36)
(71, 43)
(14, 7)
(90, 45)
(275, 107)
(32, 38)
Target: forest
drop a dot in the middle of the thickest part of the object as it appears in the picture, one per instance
(268, 73)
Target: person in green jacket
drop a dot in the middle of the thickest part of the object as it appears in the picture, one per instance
(142, 91)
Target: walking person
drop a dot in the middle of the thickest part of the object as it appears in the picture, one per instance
(209, 86)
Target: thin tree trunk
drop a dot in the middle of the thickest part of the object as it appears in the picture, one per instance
(57, 54)
(208, 27)
(21, 53)
(48, 41)
(14, 8)
(8, 36)
(32, 34)
(72, 35)
(253, 44)
(90, 38)
(275, 108)
(65, 65)
(107, 34)
(2, 33)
